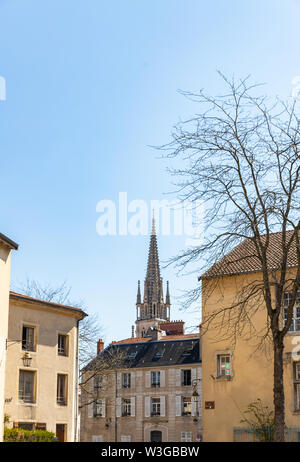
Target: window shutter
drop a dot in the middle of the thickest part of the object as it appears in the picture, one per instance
(90, 410)
(147, 406)
(132, 379)
(178, 406)
(119, 383)
(163, 406)
(132, 399)
(200, 372)
(194, 406)
(118, 407)
(162, 379)
(103, 407)
(148, 379)
(193, 374)
(178, 377)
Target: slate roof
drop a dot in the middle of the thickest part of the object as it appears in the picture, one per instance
(243, 258)
(152, 353)
(7, 241)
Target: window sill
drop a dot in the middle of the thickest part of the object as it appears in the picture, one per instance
(223, 378)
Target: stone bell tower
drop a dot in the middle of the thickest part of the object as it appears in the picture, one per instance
(154, 310)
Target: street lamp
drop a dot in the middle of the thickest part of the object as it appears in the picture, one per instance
(26, 359)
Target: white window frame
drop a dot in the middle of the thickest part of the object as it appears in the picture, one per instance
(155, 379)
(155, 406)
(125, 438)
(126, 380)
(295, 322)
(126, 407)
(186, 437)
(222, 369)
(189, 405)
(98, 408)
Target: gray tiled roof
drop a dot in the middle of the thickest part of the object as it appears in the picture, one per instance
(156, 353)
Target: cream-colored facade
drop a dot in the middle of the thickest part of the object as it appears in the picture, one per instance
(5, 258)
(248, 375)
(137, 411)
(42, 395)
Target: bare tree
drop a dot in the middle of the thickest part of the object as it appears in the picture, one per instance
(89, 330)
(240, 155)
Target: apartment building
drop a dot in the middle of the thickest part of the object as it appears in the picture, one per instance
(155, 395)
(41, 383)
(6, 246)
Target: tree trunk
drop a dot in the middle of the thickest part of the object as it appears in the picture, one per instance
(278, 391)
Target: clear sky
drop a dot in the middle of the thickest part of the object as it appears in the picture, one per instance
(90, 85)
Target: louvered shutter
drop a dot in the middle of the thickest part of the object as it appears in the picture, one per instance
(132, 402)
(118, 407)
(132, 379)
(103, 407)
(178, 377)
(163, 406)
(178, 406)
(90, 410)
(148, 379)
(162, 379)
(147, 406)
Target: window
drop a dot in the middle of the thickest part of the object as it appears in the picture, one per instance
(126, 380)
(224, 365)
(26, 425)
(62, 389)
(159, 354)
(132, 354)
(97, 438)
(126, 407)
(187, 406)
(186, 437)
(295, 323)
(98, 408)
(155, 406)
(40, 426)
(98, 382)
(155, 379)
(125, 438)
(297, 386)
(62, 345)
(27, 386)
(28, 338)
(186, 377)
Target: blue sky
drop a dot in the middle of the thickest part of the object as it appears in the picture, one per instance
(90, 85)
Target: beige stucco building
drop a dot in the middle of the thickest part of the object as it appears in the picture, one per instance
(6, 245)
(234, 374)
(155, 396)
(42, 392)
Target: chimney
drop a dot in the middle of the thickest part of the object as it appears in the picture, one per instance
(100, 346)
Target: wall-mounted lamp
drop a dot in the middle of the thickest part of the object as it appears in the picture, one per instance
(26, 359)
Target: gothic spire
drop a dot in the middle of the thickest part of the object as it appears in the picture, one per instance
(153, 279)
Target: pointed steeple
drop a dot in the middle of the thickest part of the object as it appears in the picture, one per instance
(153, 309)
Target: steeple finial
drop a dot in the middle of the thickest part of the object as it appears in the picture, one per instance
(153, 231)
(138, 297)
